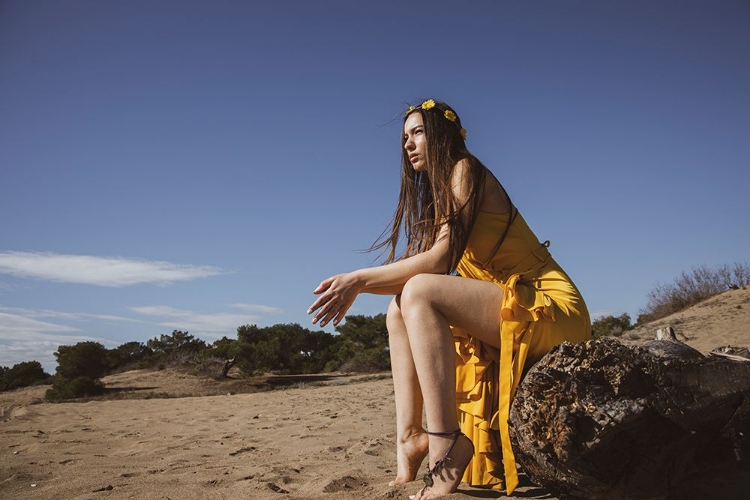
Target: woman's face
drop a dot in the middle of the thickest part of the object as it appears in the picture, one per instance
(416, 144)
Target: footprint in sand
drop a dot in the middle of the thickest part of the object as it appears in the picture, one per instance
(374, 448)
(346, 483)
(277, 489)
(246, 449)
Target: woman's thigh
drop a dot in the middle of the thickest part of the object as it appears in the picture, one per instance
(471, 305)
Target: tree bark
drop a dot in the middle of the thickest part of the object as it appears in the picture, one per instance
(600, 420)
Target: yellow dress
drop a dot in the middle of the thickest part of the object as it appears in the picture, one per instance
(541, 307)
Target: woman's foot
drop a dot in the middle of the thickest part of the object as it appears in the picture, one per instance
(410, 452)
(450, 454)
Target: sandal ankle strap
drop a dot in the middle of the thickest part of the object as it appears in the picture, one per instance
(454, 433)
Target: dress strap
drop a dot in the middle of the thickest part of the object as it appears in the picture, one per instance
(513, 214)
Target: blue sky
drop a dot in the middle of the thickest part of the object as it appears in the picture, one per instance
(201, 165)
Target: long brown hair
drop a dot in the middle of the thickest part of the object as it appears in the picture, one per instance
(426, 200)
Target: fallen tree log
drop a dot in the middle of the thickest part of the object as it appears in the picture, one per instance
(600, 420)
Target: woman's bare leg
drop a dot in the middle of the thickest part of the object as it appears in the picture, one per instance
(411, 439)
(429, 305)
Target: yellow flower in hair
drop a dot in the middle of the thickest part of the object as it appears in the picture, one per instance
(428, 104)
(463, 133)
(450, 115)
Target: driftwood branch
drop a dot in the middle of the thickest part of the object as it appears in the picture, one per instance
(228, 364)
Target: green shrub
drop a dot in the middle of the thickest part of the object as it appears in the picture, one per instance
(78, 387)
(178, 348)
(78, 369)
(127, 355)
(84, 359)
(22, 374)
(367, 361)
(610, 326)
(363, 344)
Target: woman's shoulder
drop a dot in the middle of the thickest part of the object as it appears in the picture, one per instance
(467, 172)
(463, 180)
(463, 168)
(494, 197)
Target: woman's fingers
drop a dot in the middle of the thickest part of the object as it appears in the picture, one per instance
(326, 307)
(316, 305)
(342, 312)
(322, 288)
(336, 295)
(336, 311)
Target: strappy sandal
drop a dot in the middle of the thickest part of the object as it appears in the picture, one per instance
(440, 464)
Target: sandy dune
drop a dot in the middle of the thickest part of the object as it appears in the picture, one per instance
(719, 321)
(332, 440)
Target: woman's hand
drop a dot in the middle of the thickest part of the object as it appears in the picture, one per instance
(337, 295)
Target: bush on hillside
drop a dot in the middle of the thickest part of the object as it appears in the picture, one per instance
(79, 387)
(87, 359)
(78, 369)
(613, 326)
(367, 361)
(285, 349)
(690, 288)
(22, 374)
(127, 355)
(178, 348)
(362, 344)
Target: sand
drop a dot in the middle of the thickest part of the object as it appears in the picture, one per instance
(324, 440)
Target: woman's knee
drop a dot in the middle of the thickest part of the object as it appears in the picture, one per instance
(416, 291)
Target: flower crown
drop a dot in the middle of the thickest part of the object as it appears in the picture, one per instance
(448, 114)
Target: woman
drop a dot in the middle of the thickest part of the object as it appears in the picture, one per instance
(458, 341)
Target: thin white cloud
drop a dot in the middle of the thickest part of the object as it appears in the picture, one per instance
(202, 325)
(99, 271)
(257, 308)
(48, 313)
(11, 323)
(27, 339)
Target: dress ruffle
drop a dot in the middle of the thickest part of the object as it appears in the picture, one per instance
(477, 396)
(485, 390)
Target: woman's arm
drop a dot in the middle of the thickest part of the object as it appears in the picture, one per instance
(337, 293)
